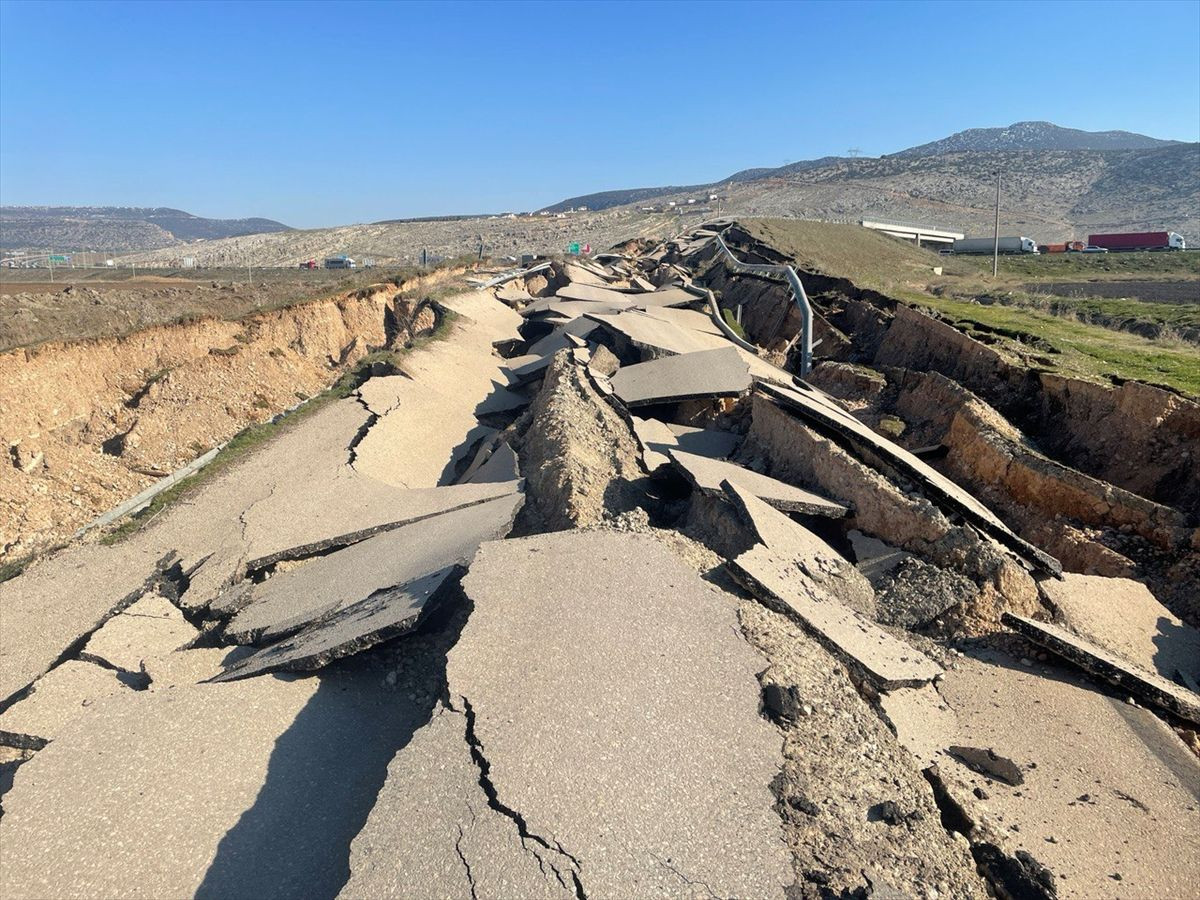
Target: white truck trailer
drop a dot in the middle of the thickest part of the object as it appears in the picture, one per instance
(1008, 245)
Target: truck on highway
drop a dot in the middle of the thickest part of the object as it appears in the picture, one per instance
(1065, 247)
(1007, 245)
(340, 262)
(1138, 240)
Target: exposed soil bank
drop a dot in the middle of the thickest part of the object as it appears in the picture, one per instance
(88, 424)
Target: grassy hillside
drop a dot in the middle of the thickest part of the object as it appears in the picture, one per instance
(1041, 328)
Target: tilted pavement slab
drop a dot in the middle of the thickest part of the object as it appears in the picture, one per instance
(655, 439)
(593, 294)
(668, 296)
(65, 693)
(708, 373)
(250, 789)
(781, 584)
(502, 467)
(1148, 686)
(711, 442)
(707, 475)
(380, 617)
(797, 545)
(290, 600)
(432, 832)
(598, 665)
(821, 410)
(418, 442)
(1109, 790)
(151, 626)
(1122, 616)
(357, 507)
(557, 339)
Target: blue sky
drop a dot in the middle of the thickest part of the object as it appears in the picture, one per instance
(322, 114)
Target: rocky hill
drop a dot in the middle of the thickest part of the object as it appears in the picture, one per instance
(115, 227)
(1058, 182)
(1036, 136)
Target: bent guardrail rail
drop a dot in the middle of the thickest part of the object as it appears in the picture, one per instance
(798, 294)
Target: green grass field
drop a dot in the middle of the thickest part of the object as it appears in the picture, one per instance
(1042, 326)
(1076, 348)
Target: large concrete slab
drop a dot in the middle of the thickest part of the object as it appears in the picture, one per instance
(1148, 686)
(432, 832)
(352, 629)
(358, 513)
(654, 336)
(712, 442)
(1122, 616)
(592, 294)
(1109, 790)
(557, 308)
(707, 475)
(598, 665)
(666, 296)
(249, 789)
(501, 467)
(815, 407)
(783, 585)
(151, 626)
(791, 541)
(708, 373)
(557, 339)
(291, 600)
(63, 694)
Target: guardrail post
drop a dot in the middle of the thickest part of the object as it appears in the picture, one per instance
(798, 295)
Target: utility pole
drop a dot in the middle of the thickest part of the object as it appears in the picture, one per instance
(50, 260)
(996, 233)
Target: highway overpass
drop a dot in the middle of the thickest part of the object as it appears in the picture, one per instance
(919, 233)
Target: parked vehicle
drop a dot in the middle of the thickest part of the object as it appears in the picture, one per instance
(340, 262)
(1065, 247)
(1139, 240)
(1007, 245)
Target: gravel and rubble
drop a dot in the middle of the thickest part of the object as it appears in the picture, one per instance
(479, 631)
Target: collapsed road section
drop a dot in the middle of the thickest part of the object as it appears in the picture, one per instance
(591, 600)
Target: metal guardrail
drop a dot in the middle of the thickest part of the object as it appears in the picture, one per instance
(798, 294)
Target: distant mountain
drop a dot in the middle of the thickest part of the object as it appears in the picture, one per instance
(1035, 136)
(1030, 136)
(115, 228)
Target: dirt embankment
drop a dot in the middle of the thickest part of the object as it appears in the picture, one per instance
(86, 425)
(1137, 436)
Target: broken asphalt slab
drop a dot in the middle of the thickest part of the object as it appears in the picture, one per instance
(793, 542)
(1122, 616)
(1148, 686)
(820, 410)
(597, 664)
(254, 788)
(386, 614)
(289, 601)
(356, 515)
(59, 697)
(1101, 776)
(780, 584)
(151, 626)
(501, 467)
(707, 475)
(434, 833)
(708, 373)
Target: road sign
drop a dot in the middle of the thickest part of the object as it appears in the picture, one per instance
(61, 259)
(573, 249)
